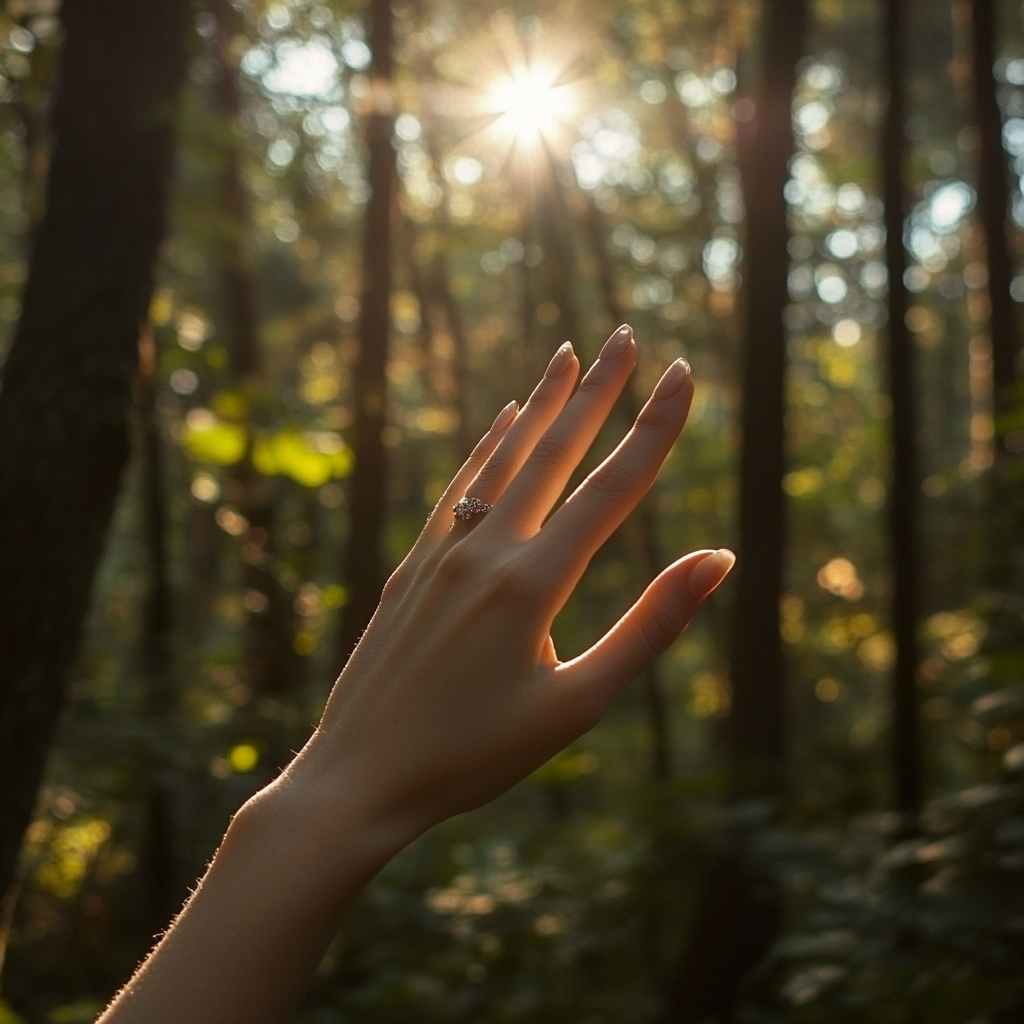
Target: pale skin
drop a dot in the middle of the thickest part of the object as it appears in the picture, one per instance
(454, 694)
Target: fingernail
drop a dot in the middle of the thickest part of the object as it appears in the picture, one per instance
(617, 343)
(710, 573)
(559, 361)
(504, 418)
(673, 379)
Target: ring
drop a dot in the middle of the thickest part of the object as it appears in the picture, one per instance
(469, 507)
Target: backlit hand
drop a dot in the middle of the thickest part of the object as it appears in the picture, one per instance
(455, 691)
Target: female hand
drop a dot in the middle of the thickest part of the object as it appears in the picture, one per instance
(453, 694)
(455, 691)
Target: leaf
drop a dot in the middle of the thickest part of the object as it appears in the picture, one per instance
(310, 459)
(215, 441)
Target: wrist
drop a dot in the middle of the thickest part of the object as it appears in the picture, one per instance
(329, 823)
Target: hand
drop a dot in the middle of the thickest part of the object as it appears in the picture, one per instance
(455, 692)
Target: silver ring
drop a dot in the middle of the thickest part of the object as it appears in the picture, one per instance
(469, 507)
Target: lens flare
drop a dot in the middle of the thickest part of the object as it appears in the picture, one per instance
(530, 104)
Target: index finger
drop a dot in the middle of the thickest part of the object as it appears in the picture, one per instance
(600, 504)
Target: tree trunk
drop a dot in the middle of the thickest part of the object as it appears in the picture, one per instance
(904, 484)
(364, 564)
(738, 912)
(993, 201)
(757, 719)
(68, 378)
(270, 664)
(159, 860)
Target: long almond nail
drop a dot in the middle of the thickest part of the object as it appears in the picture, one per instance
(504, 418)
(673, 379)
(710, 573)
(559, 361)
(617, 343)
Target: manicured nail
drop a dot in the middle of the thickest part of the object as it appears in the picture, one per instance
(617, 343)
(559, 361)
(710, 573)
(673, 379)
(504, 418)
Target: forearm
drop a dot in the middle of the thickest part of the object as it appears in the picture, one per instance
(249, 940)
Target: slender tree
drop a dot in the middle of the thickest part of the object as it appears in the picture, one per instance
(160, 848)
(738, 913)
(270, 662)
(757, 717)
(67, 382)
(364, 563)
(904, 484)
(993, 201)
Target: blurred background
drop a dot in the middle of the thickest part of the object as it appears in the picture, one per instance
(382, 221)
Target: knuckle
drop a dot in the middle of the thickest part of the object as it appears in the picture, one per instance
(547, 391)
(458, 564)
(395, 585)
(614, 479)
(549, 450)
(660, 628)
(495, 469)
(595, 380)
(516, 580)
(657, 416)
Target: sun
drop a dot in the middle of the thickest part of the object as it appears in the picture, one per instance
(530, 103)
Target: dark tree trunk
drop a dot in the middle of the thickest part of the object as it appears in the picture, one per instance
(239, 290)
(757, 719)
(68, 378)
(738, 913)
(159, 859)
(904, 484)
(364, 564)
(993, 201)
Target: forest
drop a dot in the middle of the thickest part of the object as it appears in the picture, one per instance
(269, 268)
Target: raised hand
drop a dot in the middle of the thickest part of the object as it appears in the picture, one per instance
(454, 694)
(455, 691)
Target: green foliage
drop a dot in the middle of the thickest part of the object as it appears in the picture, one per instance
(928, 929)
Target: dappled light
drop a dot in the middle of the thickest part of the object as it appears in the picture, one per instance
(242, 367)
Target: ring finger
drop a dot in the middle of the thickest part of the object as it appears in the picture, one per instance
(541, 410)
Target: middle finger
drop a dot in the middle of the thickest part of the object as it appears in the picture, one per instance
(536, 487)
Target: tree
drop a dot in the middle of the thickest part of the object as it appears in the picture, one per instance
(364, 562)
(738, 914)
(993, 200)
(67, 382)
(271, 663)
(904, 484)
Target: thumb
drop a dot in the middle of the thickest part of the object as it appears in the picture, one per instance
(652, 625)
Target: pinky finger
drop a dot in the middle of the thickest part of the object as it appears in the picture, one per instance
(441, 518)
(652, 625)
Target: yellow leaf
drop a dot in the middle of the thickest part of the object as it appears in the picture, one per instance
(290, 453)
(222, 443)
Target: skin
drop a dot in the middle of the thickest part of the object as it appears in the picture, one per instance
(453, 695)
